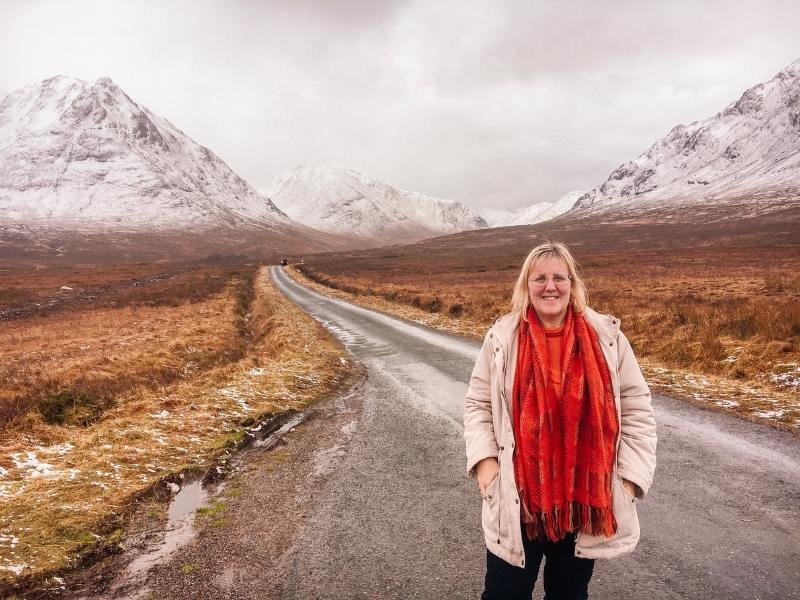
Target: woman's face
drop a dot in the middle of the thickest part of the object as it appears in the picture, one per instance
(549, 287)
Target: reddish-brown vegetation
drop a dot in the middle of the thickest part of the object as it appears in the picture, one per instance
(101, 402)
(708, 300)
(72, 354)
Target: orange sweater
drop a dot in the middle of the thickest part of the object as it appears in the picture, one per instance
(554, 339)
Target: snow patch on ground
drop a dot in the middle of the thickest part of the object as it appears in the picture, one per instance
(769, 414)
(726, 403)
(15, 569)
(236, 395)
(56, 450)
(790, 378)
(31, 465)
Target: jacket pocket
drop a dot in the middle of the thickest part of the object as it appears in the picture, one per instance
(490, 513)
(627, 535)
(625, 513)
(625, 491)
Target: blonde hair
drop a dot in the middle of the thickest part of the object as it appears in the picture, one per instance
(521, 299)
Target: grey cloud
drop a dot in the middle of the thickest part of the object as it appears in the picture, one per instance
(503, 103)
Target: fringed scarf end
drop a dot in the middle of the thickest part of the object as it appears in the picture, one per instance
(556, 523)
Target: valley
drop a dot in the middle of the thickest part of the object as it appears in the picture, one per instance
(143, 342)
(712, 311)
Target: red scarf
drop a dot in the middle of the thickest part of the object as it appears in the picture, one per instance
(564, 457)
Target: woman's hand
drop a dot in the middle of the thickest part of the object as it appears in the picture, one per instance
(485, 472)
(630, 487)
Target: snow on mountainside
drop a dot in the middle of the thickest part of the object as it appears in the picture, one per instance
(338, 200)
(748, 155)
(497, 217)
(537, 213)
(544, 211)
(84, 155)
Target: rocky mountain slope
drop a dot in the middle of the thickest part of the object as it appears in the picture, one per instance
(745, 159)
(344, 201)
(85, 156)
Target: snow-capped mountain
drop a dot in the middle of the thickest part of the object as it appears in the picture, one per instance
(537, 213)
(747, 156)
(344, 201)
(544, 211)
(497, 217)
(85, 156)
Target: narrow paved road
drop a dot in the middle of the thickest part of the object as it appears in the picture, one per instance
(399, 519)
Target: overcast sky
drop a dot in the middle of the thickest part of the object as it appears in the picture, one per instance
(495, 103)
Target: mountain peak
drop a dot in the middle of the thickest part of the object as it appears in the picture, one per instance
(751, 149)
(58, 81)
(340, 200)
(105, 82)
(88, 155)
(106, 85)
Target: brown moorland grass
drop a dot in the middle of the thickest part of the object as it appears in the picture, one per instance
(45, 289)
(67, 489)
(71, 364)
(712, 320)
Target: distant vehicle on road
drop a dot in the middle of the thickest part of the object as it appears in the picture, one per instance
(284, 262)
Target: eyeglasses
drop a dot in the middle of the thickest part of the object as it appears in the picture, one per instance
(559, 280)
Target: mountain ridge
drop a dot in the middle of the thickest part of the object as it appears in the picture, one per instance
(340, 200)
(745, 156)
(85, 155)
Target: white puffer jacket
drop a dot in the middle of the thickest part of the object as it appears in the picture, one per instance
(488, 432)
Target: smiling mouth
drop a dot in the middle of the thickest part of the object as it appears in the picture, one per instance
(550, 298)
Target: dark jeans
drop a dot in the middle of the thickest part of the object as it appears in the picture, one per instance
(566, 577)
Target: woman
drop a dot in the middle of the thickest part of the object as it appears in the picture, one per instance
(560, 435)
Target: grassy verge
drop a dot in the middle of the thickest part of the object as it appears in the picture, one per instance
(730, 341)
(67, 487)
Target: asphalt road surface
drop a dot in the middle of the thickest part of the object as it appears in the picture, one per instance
(399, 519)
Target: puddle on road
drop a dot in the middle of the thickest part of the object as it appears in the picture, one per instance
(179, 529)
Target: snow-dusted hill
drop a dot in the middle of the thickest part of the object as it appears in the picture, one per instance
(544, 211)
(344, 201)
(497, 217)
(85, 156)
(537, 213)
(746, 157)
